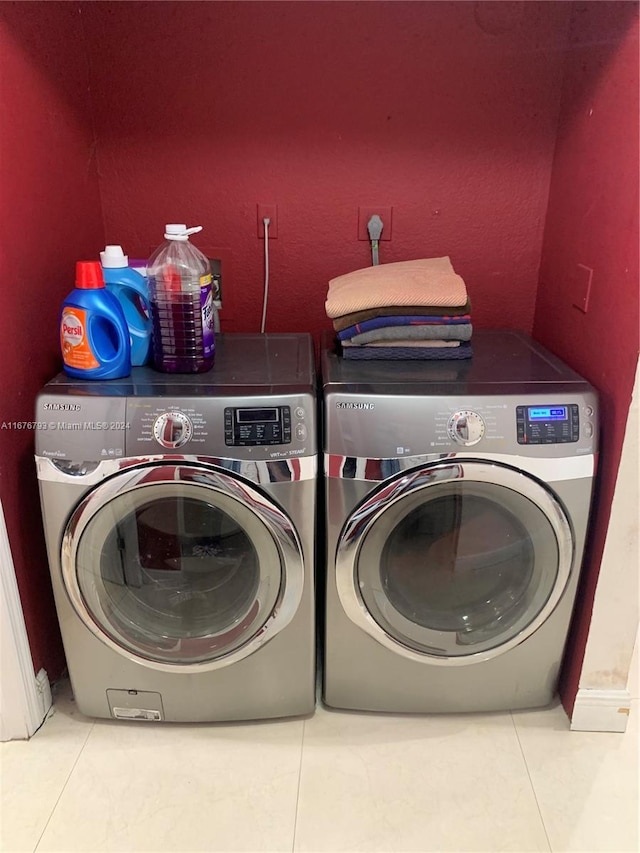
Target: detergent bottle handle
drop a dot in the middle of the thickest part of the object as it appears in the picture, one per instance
(124, 338)
(122, 335)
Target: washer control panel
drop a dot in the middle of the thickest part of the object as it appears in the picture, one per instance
(254, 426)
(466, 427)
(553, 424)
(172, 429)
(548, 424)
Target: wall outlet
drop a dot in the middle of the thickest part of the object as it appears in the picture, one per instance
(269, 211)
(580, 287)
(365, 214)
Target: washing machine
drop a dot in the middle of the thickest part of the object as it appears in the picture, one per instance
(457, 503)
(179, 515)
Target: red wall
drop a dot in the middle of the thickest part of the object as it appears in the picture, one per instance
(593, 221)
(445, 111)
(50, 216)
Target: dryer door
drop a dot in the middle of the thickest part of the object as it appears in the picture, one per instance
(457, 562)
(182, 566)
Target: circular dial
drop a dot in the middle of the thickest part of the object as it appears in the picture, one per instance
(172, 429)
(466, 428)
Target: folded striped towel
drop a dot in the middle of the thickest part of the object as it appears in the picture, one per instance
(428, 281)
(381, 322)
(387, 310)
(420, 334)
(405, 343)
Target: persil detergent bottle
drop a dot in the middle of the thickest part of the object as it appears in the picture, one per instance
(133, 295)
(94, 337)
(182, 309)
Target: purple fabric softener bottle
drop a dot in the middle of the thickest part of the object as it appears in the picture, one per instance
(181, 302)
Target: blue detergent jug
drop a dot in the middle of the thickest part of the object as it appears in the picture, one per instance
(132, 293)
(94, 337)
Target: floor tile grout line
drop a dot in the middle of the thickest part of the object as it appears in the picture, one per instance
(64, 787)
(533, 787)
(295, 822)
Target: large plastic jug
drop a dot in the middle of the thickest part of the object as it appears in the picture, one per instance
(182, 310)
(94, 337)
(132, 292)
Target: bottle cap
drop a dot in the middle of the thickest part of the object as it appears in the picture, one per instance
(89, 275)
(113, 258)
(180, 232)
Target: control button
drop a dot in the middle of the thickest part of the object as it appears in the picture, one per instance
(172, 429)
(588, 430)
(588, 410)
(299, 412)
(466, 428)
(301, 432)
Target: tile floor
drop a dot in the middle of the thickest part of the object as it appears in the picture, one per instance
(333, 782)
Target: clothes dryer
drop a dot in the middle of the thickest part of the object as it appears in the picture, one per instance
(179, 514)
(457, 504)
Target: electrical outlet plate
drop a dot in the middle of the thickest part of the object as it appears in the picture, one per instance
(580, 287)
(364, 215)
(268, 211)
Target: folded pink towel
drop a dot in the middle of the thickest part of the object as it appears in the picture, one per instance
(429, 281)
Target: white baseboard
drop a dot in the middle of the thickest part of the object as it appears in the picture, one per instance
(601, 710)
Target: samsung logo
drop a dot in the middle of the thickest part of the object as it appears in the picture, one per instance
(62, 407)
(366, 406)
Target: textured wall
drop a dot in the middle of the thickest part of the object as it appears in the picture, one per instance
(593, 221)
(50, 216)
(445, 111)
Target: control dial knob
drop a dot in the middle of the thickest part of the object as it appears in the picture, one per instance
(172, 429)
(466, 428)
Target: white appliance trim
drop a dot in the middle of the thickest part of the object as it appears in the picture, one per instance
(601, 710)
(25, 698)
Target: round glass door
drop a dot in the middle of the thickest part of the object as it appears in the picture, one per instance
(180, 565)
(455, 561)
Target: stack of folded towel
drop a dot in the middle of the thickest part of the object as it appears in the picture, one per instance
(407, 310)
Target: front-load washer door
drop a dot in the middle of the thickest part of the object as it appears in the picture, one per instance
(455, 562)
(182, 566)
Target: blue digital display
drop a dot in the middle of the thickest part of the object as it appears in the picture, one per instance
(548, 413)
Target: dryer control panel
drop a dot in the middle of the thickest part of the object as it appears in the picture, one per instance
(552, 424)
(252, 426)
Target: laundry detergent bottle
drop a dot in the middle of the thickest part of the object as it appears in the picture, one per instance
(94, 337)
(182, 310)
(132, 292)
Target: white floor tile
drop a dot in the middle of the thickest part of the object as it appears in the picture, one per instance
(586, 783)
(34, 772)
(367, 783)
(433, 783)
(147, 787)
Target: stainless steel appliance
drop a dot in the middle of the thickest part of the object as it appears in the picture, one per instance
(179, 514)
(457, 506)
